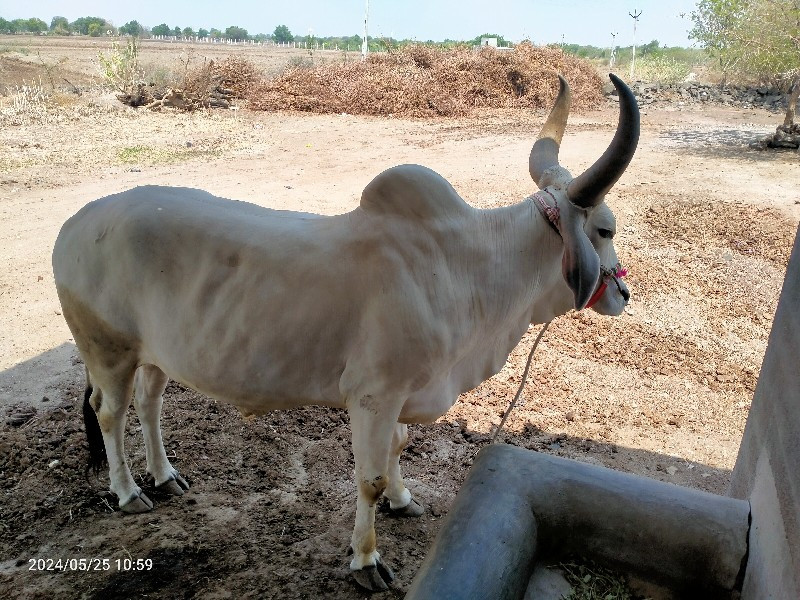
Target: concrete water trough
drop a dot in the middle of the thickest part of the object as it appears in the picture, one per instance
(519, 509)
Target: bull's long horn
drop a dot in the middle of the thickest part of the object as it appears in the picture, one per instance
(544, 154)
(589, 188)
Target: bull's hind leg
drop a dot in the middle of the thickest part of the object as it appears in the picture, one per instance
(110, 399)
(401, 503)
(150, 383)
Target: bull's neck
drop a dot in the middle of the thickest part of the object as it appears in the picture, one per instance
(528, 268)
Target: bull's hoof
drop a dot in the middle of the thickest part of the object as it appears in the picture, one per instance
(412, 509)
(375, 578)
(174, 487)
(137, 504)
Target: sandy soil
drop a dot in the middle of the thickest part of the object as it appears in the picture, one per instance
(705, 226)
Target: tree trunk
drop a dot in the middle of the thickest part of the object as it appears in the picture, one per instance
(794, 92)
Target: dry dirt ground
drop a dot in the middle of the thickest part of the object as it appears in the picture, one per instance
(705, 226)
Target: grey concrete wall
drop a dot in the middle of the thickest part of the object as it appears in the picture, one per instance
(767, 470)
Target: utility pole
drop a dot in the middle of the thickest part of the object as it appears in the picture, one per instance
(613, 50)
(635, 21)
(364, 43)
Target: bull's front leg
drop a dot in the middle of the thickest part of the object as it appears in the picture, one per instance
(372, 421)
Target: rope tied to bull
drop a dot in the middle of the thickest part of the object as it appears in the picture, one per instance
(521, 383)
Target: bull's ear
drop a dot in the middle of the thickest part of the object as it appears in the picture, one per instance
(580, 264)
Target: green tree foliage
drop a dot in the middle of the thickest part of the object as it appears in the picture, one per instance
(120, 66)
(162, 29)
(282, 34)
(36, 25)
(188, 32)
(754, 38)
(59, 26)
(585, 51)
(132, 28)
(82, 25)
(236, 33)
(176, 32)
(32, 25)
(215, 33)
(21, 26)
(59, 22)
(202, 33)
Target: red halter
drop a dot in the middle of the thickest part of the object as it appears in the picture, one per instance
(551, 213)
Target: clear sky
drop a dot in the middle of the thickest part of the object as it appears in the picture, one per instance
(585, 22)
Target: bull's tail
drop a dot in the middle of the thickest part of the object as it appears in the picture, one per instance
(97, 449)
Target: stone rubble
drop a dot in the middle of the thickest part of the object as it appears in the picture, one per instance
(693, 92)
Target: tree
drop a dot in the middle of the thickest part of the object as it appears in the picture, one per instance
(5, 26)
(132, 28)
(754, 38)
(651, 48)
(82, 25)
(162, 29)
(215, 33)
(95, 29)
(188, 32)
(36, 25)
(282, 34)
(202, 33)
(176, 32)
(236, 33)
(59, 24)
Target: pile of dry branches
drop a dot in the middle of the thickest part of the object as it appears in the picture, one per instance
(420, 81)
(416, 81)
(214, 84)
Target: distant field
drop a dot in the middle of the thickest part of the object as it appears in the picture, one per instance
(24, 59)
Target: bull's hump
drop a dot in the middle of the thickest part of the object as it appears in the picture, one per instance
(414, 192)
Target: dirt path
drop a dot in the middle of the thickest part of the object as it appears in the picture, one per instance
(705, 226)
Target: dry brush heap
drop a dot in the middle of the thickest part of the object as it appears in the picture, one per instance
(215, 85)
(415, 81)
(419, 81)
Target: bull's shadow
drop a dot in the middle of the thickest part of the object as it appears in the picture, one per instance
(44, 376)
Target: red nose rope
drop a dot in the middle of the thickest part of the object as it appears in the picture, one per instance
(618, 272)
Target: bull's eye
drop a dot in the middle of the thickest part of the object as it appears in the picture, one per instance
(605, 233)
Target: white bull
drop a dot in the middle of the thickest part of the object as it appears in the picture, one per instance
(390, 311)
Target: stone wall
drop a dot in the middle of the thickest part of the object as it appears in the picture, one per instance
(692, 92)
